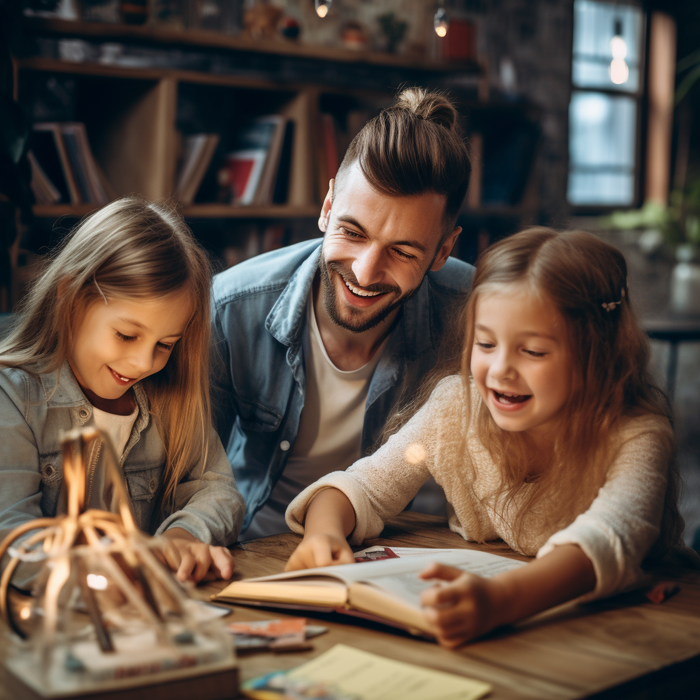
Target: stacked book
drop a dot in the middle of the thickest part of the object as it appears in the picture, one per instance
(64, 169)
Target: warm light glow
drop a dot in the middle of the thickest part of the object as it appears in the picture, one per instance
(618, 47)
(415, 453)
(97, 582)
(619, 72)
(441, 22)
(322, 7)
(25, 613)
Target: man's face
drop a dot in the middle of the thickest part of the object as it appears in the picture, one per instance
(377, 249)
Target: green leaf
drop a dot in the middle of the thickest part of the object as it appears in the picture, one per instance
(686, 84)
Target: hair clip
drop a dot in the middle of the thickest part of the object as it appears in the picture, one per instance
(94, 279)
(610, 305)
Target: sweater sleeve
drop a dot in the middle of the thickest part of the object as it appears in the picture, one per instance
(207, 502)
(381, 485)
(623, 522)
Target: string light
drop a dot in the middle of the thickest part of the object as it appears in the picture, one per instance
(323, 7)
(619, 71)
(441, 22)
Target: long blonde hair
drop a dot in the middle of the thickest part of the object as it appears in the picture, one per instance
(133, 249)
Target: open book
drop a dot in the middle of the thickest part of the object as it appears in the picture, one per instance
(386, 590)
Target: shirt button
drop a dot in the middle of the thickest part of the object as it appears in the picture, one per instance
(83, 413)
(152, 485)
(284, 445)
(48, 469)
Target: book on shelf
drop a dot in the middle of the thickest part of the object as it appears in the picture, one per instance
(62, 161)
(385, 591)
(45, 191)
(50, 152)
(87, 173)
(197, 153)
(246, 162)
(265, 190)
(280, 193)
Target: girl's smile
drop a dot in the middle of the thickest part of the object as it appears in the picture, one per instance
(520, 360)
(124, 341)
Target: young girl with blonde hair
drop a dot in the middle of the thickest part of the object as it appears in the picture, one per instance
(116, 331)
(553, 437)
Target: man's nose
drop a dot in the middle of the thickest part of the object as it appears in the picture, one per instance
(367, 266)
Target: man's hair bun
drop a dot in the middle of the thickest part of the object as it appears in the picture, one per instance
(431, 106)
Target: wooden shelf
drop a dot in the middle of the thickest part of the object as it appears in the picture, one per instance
(196, 211)
(213, 40)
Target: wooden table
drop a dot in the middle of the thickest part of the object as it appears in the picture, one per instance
(609, 649)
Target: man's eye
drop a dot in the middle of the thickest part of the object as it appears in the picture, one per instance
(401, 254)
(349, 233)
(126, 338)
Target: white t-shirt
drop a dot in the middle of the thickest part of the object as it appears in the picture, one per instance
(330, 428)
(98, 491)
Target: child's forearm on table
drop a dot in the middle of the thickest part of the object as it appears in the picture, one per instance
(330, 512)
(558, 577)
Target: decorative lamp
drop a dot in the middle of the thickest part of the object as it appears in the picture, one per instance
(106, 617)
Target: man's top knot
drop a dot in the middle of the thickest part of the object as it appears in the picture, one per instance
(430, 106)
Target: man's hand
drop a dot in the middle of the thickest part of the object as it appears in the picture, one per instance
(463, 607)
(192, 560)
(320, 550)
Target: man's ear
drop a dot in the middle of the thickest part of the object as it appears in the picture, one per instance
(445, 250)
(326, 208)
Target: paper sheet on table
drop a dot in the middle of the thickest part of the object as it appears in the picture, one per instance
(373, 677)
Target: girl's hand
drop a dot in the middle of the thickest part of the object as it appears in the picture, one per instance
(320, 550)
(461, 609)
(192, 560)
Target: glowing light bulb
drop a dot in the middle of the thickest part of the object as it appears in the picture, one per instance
(441, 22)
(322, 7)
(25, 613)
(97, 582)
(619, 71)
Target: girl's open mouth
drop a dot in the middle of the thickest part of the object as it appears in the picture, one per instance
(120, 378)
(510, 399)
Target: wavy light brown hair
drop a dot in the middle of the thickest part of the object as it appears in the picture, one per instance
(578, 274)
(133, 249)
(412, 147)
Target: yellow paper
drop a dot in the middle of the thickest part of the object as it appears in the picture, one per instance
(373, 677)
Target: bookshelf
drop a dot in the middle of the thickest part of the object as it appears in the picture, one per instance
(165, 84)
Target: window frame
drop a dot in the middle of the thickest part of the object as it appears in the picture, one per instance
(639, 97)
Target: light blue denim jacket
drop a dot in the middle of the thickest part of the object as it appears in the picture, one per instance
(258, 326)
(34, 411)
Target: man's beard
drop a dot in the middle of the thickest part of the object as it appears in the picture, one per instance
(330, 298)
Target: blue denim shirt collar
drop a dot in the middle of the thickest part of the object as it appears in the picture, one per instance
(63, 391)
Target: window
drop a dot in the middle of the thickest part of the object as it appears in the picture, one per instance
(605, 103)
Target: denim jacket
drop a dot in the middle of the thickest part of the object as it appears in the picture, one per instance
(258, 327)
(34, 411)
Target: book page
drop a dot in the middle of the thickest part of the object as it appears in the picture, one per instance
(408, 587)
(372, 677)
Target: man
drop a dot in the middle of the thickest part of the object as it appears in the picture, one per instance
(320, 341)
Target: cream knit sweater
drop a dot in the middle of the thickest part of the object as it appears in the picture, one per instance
(616, 532)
